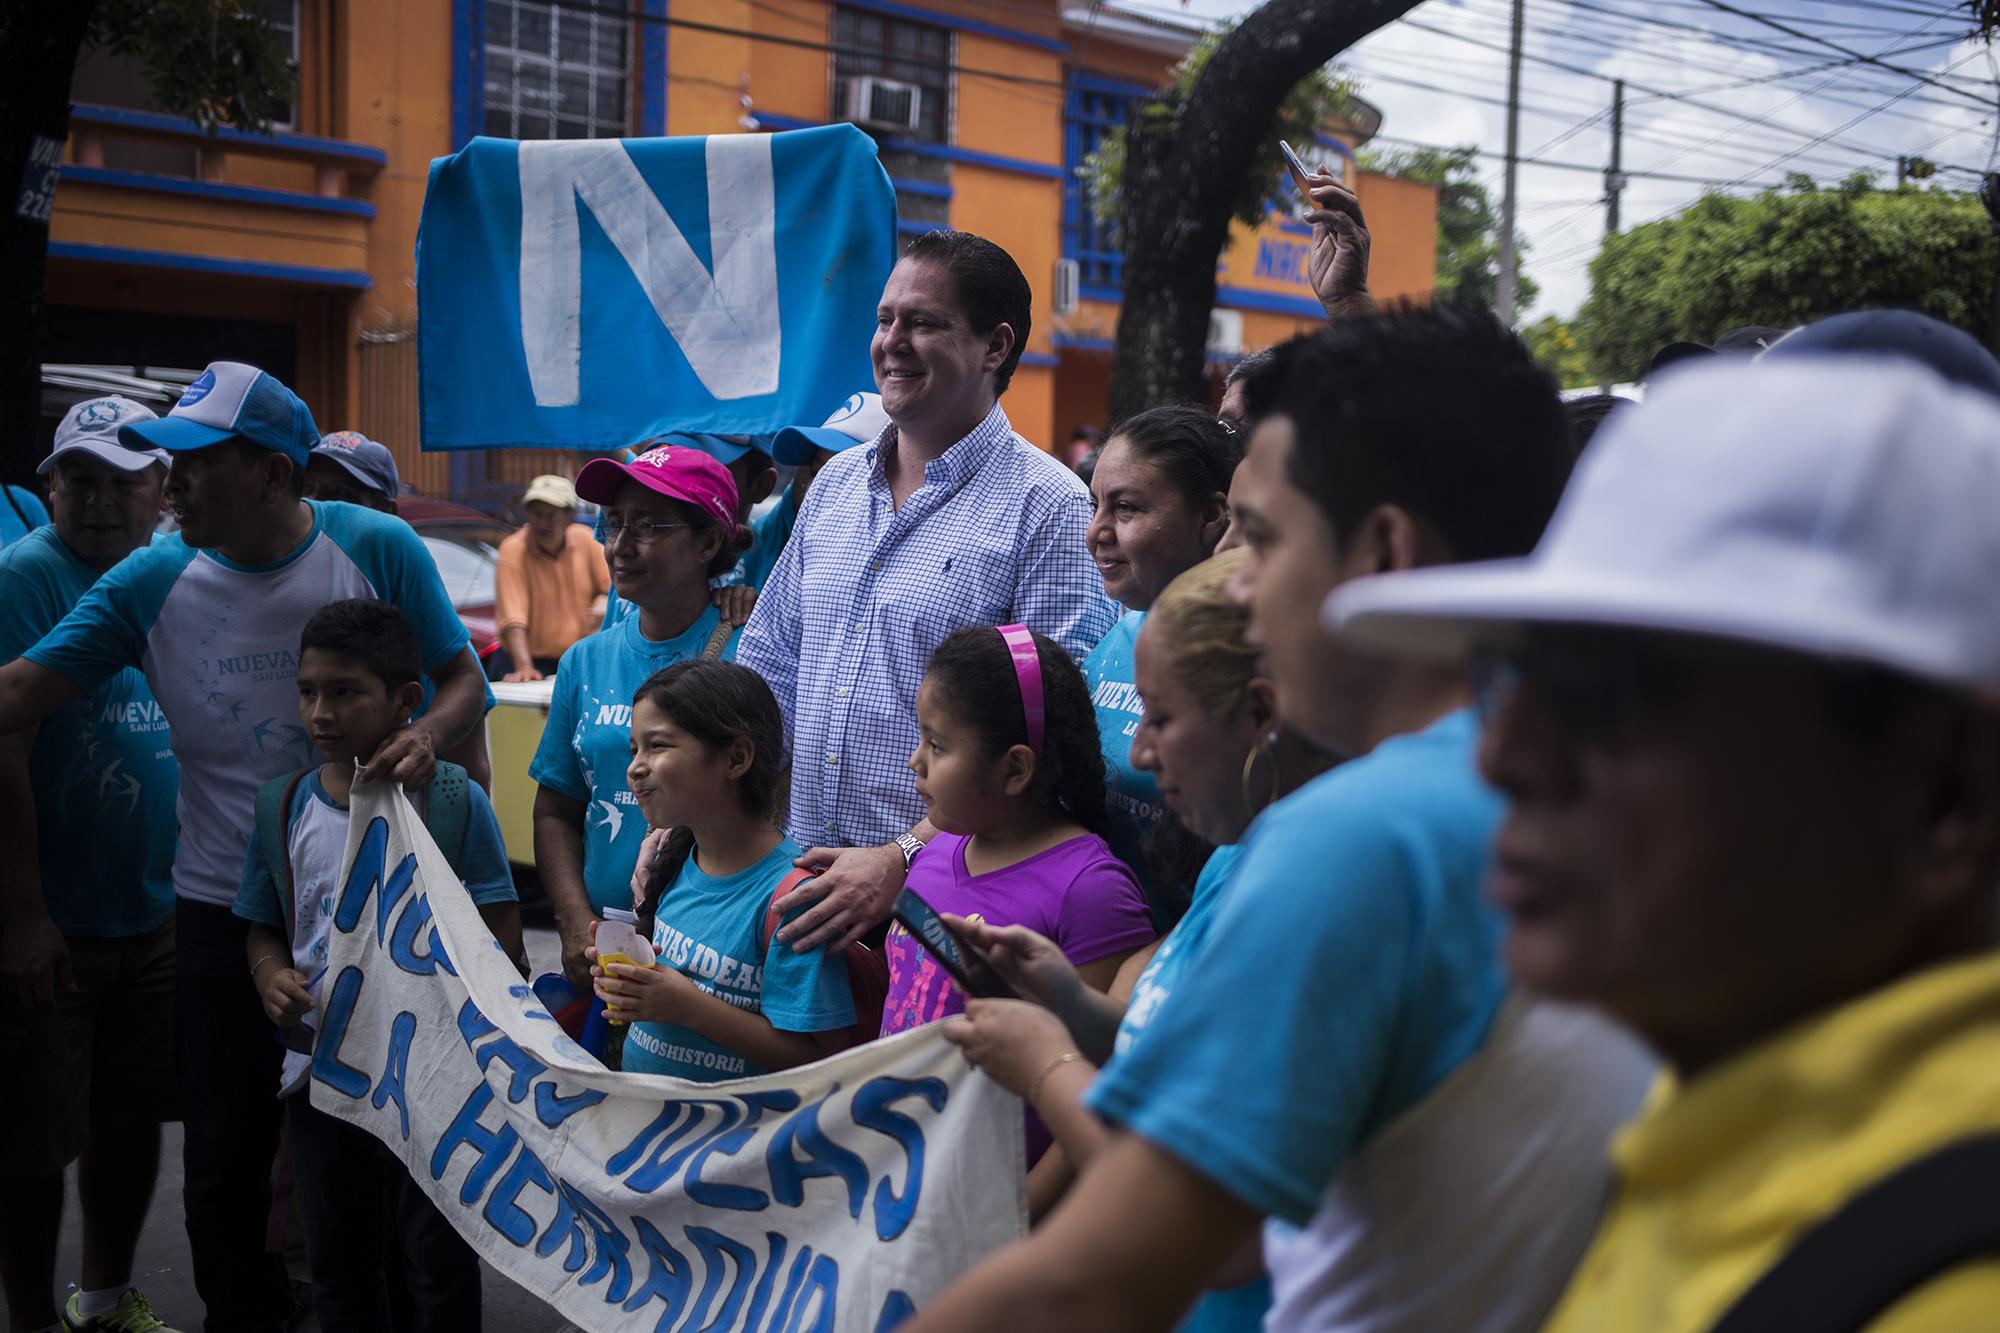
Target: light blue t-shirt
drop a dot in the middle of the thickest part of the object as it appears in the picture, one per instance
(1355, 965)
(104, 777)
(219, 644)
(587, 741)
(31, 508)
(712, 932)
(1131, 797)
(1236, 1309)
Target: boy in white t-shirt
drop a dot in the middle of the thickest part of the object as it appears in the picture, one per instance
(358, 680)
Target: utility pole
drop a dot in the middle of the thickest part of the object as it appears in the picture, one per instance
(1507, 196)
(1614, 176)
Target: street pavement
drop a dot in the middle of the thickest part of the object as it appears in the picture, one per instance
(161, 1268)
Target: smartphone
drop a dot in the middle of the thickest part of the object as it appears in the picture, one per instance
(1298, 169)
(959, 960)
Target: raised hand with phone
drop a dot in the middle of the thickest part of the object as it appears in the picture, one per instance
(1337, 265)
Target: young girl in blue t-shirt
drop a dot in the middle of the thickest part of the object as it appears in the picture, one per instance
(725, 999)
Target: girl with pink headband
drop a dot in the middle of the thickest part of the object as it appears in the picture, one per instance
(1009, 765)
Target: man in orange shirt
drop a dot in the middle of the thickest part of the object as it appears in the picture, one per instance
(551, 582)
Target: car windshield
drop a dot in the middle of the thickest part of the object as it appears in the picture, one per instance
(466, 566)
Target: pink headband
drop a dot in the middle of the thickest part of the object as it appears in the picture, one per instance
(1028, 675)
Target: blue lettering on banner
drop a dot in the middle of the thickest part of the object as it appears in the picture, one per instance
(896, 1307)
(396, 1068)
(872, 1101)
(493, 1146)
(667, 1275)
(365, 877)
(506, 1216)
(718, 1254)
(326, 1066)
(823, 1158)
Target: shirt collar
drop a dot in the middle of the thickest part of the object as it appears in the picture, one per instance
(957, 464)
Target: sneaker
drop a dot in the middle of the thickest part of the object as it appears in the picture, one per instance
(132, 1314)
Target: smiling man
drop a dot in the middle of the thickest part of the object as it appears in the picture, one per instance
(212, 617)
(92, 1034)
(1740, 703)
(947, 519)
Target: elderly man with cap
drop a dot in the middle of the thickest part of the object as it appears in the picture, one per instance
(212, 616)
(93, 1034)
(349, 467)
(550, 586)
(1740, 702)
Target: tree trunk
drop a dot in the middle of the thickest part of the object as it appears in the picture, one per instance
(39, 45)
(1989, 195)
(1180, 187)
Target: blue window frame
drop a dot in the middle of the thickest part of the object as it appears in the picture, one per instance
(1092, 108)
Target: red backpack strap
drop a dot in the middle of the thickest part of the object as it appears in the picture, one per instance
(772, 917)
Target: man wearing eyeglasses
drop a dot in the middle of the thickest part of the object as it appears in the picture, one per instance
(549, 588)
(1739, 700)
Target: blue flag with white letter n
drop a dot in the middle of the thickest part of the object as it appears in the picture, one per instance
(593, 294)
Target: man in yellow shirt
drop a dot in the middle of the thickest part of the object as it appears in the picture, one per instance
(550, 585)
(1739, 700)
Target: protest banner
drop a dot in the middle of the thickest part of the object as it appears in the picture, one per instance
(596, 293)
(839, 1196)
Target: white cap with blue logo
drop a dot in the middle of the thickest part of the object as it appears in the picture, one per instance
(91, 427)
(859, 420)
(230, 400)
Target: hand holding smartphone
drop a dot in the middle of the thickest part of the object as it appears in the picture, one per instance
(961, 962)
(1298, 169)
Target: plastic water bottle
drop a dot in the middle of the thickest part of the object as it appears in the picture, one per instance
(619, 941)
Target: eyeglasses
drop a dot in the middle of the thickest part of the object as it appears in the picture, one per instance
(1597, 686)
(642, 531)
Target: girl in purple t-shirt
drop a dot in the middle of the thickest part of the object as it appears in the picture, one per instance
(1009, 765)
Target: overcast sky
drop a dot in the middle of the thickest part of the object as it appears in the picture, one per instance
(1836, 119)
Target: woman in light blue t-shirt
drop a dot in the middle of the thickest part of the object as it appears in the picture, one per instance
(670, 521)
(1160, 495)
(725, 999)
(1210, 737)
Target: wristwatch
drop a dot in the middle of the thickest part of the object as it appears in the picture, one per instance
(910, 845)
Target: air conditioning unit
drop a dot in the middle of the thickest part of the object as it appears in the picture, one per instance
(1063, 289)
(884, 104)
(1225, 332)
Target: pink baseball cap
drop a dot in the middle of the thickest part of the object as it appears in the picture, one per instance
(681, 473)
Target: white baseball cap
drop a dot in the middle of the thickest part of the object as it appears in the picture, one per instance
(91, 427)
(859, 420)
(1847, 508)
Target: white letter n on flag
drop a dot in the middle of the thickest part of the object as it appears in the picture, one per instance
(726, 323)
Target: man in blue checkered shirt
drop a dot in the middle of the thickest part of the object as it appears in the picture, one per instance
(948, 519)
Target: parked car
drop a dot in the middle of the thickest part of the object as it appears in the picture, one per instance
(465, 543)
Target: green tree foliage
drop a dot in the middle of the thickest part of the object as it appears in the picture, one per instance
(1468, 232)
(1318, 99)
(1556, 349)
(217, 61)
(1781, 258)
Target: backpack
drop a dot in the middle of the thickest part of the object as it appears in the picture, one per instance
(1917, 1223)
(867, 969)
(447, 811)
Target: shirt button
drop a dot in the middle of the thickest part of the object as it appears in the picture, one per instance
(843, 689)
(829, 826)
(860, 628)
(875, 565)
(833, 759)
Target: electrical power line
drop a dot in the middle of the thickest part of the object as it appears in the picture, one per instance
(1725, 7)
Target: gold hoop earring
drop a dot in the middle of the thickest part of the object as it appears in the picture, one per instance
(1250, 805)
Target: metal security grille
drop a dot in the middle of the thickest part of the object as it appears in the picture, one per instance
(557, 73)
(1091, 111)
(867, 43)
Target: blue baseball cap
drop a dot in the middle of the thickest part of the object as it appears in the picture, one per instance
(859, 420)
(367, 462)
(724, 449)
(1951, 352)
(230, 399)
